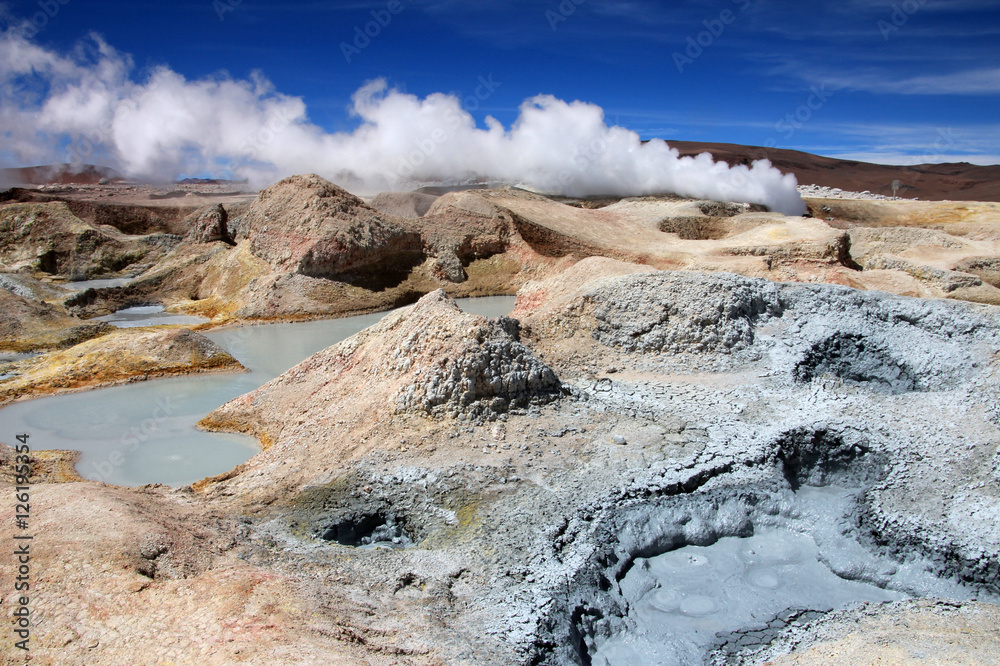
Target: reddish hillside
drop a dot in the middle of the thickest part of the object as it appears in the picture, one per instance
(58, 174)
(934, 182)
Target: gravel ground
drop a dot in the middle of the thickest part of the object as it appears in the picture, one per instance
(630, 413)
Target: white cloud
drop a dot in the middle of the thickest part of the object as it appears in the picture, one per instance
(166, 125)
(982, 81)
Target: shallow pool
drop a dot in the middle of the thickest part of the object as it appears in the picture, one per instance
(145, 433)
(13, 357)
(83, 285)
(148, 315)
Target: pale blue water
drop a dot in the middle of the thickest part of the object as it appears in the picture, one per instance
(83, 285)
(145, 432)
(11, 357)
(148, 315)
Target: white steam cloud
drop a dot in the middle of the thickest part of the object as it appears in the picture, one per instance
(87, 106)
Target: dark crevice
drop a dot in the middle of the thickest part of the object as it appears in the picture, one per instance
(857, 359)
(384, 275)
(368, 530)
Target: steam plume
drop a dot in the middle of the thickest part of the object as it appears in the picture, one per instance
(88, 106)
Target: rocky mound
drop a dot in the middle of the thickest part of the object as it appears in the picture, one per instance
(678, 312)
(429, 359)
(374, 269)
(122, 356)
(462, 227)
(410, 205)
(489, 373)
(892, 344)
(208, 225)
(307, 225)
(650, 312)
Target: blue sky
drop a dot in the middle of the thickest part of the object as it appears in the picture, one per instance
(894, 82)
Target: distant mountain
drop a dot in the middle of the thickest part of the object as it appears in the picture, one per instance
(210, 181)
(933, 182)
(59, 174)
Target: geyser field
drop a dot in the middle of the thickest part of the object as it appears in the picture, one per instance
(708, 432)
(157, 127)
(433, 333)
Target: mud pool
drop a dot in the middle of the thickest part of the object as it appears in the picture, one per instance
(145, 433)
(797, 558)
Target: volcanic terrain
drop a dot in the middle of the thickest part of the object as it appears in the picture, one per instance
(678, 377)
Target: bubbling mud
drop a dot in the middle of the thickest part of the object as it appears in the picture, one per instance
(798, 554)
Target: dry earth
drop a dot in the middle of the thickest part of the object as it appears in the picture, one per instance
(348, 257)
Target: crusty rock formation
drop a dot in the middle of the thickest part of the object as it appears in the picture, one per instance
(28, 325)
(462, 227)
(490, 373)
(307, 225)
(602, 307)
(676, 312)
(48, 237)
(430, 359)
(208, 225)
(404, 204)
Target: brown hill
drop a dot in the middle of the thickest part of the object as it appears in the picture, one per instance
(935, 182)
(59, 174)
